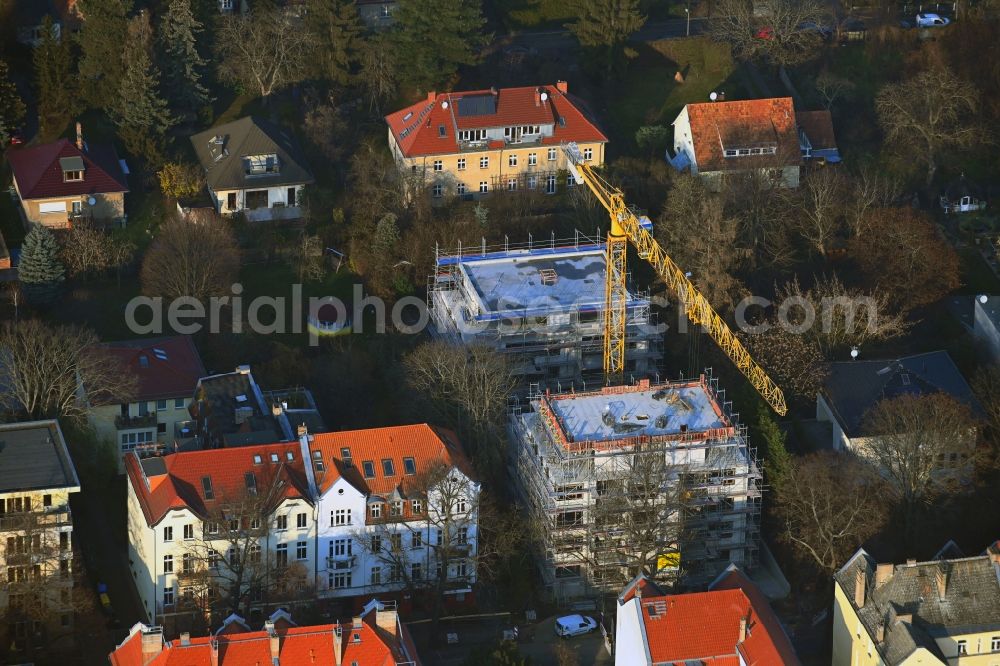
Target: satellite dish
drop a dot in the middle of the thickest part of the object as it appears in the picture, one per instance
(983, 298)
(713, 96)
(544, 96)
(91, 201)
(444, 105)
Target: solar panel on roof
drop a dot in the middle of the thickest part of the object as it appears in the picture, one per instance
(477, 105)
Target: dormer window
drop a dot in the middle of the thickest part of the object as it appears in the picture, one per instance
(259, 165)
(72, 169)
(472, 135)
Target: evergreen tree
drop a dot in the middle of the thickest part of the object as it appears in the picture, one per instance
(435, 37)
(140, 113)
(182, 64)
(778, 460)
(336, 32)
(607, 25)
(40, 271)
(102, 38)
(54, 81)
(11, 107)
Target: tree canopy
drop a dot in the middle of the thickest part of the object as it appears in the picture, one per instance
(434, 37)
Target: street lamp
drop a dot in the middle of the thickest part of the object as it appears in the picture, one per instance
(687, 12)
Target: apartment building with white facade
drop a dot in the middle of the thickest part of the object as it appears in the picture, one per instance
(197, 519)
(397, 510)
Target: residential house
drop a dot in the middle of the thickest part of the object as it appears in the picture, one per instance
(208, 527)
(397, 509)
(37, 478)
(852, 388)
(731, 623)
(233, 6)
(962, 196)
(477, 142)
(63, 182)
(376, 14)
(986, 323)
(583, 462)
(719, 139)
(944, 612)
(253, 167)
(166, 371)
(817, 140)
(376, 637)
(232, 409)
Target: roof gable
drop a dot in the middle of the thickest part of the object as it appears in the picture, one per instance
(39, 172)
(164, 368)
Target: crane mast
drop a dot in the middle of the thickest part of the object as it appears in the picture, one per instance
(625, 228)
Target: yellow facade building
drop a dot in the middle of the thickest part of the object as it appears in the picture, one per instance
(476, 143)
(942, 612)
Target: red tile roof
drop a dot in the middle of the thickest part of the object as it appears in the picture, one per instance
(425, 444)
(175, 481)
(706, 626)
(416, 128)
(39, 175)
(743, 124)
(297, 645)
(818, 127)
(164, 367)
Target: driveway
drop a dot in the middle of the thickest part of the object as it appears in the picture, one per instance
(589, 649)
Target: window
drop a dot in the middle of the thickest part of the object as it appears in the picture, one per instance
(161, 405)
(343, 547)
(484, 162)
(385, 11)
(416, 540)
(588, 154)
(395, 573)
(300, 550)
(375, 510)
(168, 533)
(437, 191)
(257, 165)
(512, 184)
(187, 563)
(395, 542)
(570, 180)
(550, 185)
(461, 164)
(416, 507)
(46, 500)
(532, 159)
(168, 596)
(168, 564)
(461, 505)
(300, 520)
(409, 466)
(376, 576)
(484, 187)
(438, 165)
(212, 527)
(439, 537)
(63, 541)
(340, 579)
(396, 508)
(72, 176)
(387, 467)
(416, 571)
(131, 439)
(461, 569)
(963, 648)
(178, 403)
(281, 523)
(213, 559)
(472, 135)
(253, 552)
(255, 523)
(512, 160)
(376, 545)
(188, 532)
(532, 182)
(281, 554)
(462, 536)
(552, 154)
(369, 469)
(340, 517)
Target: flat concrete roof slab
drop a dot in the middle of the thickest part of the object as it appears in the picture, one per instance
(33, 457)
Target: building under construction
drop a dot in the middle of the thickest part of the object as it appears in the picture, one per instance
(657, 477)
(543, 305)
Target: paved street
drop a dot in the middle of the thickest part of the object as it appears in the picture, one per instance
(562, 40)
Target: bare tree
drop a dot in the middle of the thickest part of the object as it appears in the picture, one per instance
(830, 88)
(794, 361)
(828, 505)
(263, 50)
(986, 384)
(307, 258)
(765, 218)
(842, 316)
(378, 71)
(191, 259)
(51, 371)
(871, 188)
(770, 31)
(823, 197)
(325, 127)
(927, 114)
(925, 446)
(88, 250)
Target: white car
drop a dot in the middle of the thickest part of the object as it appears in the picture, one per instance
(932, 21)
(574, 625)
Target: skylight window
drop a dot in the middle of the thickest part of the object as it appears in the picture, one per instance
(409, 466)
(251, 482)
(143, 361)
(160, 353)
(387, 468)
(256, 460)
(369, 469)
(442, 132)
(241, 398)
(317, 454)
(408, 116)
(206, 486)
(274, 457)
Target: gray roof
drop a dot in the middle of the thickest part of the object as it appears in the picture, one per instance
(854, 387)
(244, 137)
(33, 456)
(971, 601)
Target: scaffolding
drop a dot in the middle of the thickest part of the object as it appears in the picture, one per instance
(707, 498)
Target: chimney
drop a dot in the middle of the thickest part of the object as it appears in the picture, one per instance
(152, 644)
(243, 369)
(431, 95)
(276, 409)
(387, 620)
(910, 562)
(185, 638)
(214, 646)
(880, 633)
(859, 589)
(743, 631)
(79, 136)
(883, 572)
(357, 622)
(338, 644)
(273, 639)
(301, 430)
(941, 578)
(907, 618)
(562, 87)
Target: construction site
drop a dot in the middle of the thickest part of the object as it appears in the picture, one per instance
(654, 477)
(542, 305)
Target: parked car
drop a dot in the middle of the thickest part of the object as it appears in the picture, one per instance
(825, 32)
(574, 625)
(928, 20)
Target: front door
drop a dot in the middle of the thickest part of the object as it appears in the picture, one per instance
(231, 201)
(291, 196)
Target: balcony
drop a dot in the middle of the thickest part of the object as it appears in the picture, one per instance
(132, 422)
(340, 562)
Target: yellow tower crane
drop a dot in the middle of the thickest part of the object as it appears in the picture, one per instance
(626, 227)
